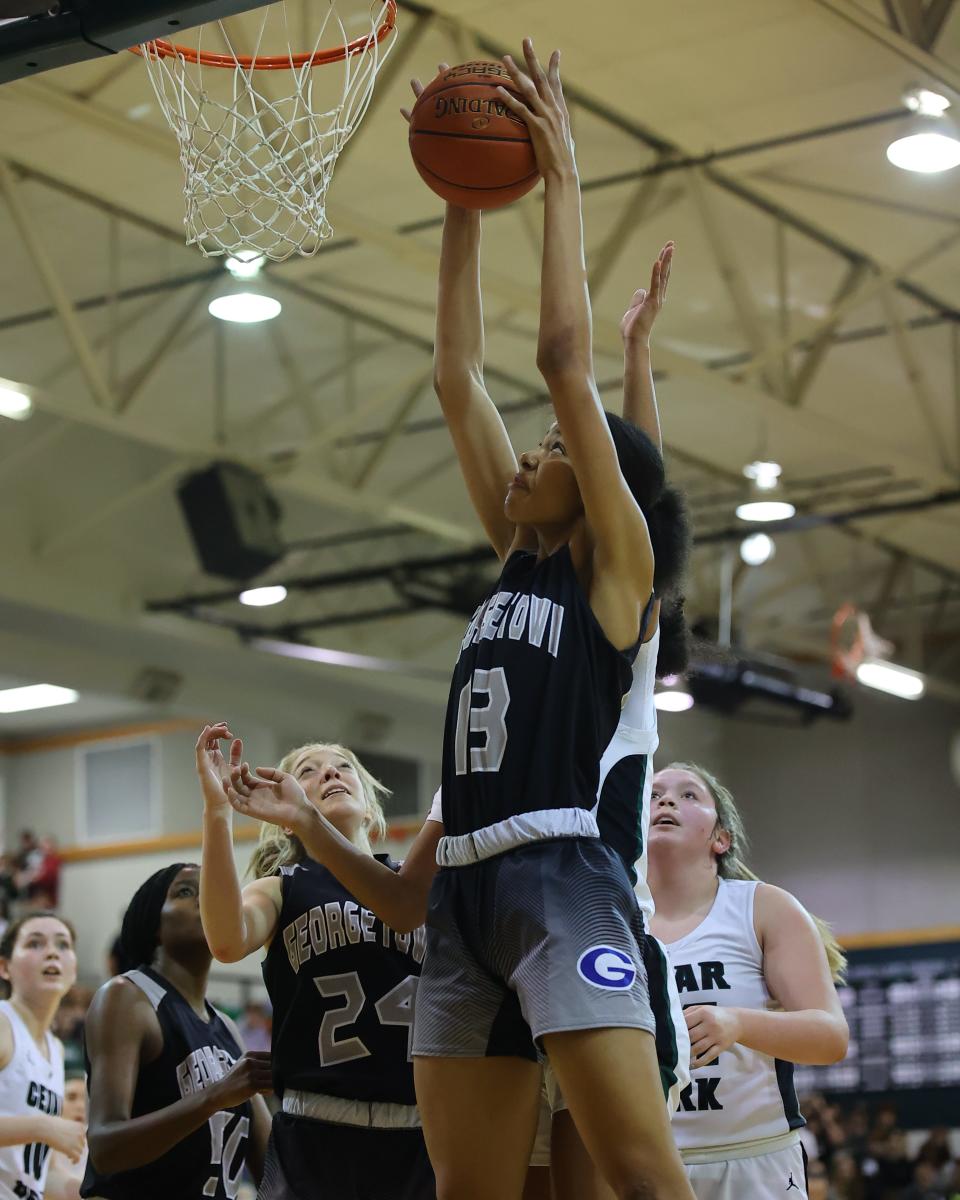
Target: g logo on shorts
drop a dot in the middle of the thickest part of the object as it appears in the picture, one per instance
(606, 967)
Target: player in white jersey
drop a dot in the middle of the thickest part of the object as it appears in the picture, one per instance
(39, 966)
(756, 976)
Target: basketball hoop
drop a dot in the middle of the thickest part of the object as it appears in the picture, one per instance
(853, 640)
(257, 164)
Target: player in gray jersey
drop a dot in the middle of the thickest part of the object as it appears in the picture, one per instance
(755, 973)
(38, 966)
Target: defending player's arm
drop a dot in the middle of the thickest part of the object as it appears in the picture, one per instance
(235, 922)
(121, 1031)
(65, 1136)
(622, 555)
(399, 898)
(811, 1027)
(636, 326)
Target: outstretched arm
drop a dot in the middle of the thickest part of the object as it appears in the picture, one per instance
(235, 922)
(480, 439)
(636, 326)
(622, 566)
(399, 898)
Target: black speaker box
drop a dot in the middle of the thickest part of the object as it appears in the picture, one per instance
(233, 520)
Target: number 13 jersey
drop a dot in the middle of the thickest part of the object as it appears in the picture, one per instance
(535, 699)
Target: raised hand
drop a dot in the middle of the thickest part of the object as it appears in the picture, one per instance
(417, 87)
(645, 306)
(250, 1074)
(267, 795)
(212, 767)
(543, 110)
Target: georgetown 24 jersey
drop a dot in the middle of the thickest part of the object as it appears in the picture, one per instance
(30, 1084)
(743, 1096)
(534, 701)
(343, 987)
(208, 1162)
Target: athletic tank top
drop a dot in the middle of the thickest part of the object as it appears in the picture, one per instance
(343, 987)
(626, 774)
(196, 1053)
(534, 701)
(743, 1095)
(30, 1084)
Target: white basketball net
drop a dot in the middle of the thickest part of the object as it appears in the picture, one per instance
(258, 163)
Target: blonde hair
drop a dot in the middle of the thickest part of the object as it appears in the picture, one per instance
(276, 848)
(731, 863)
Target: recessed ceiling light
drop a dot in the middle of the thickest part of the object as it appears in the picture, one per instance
(245, 264)
(927, 153)
(765, 510)
(14, 404)
(262, 596)
(673, 701)
(245, 308)
(35, 695)
(763, 474)
(757, 549)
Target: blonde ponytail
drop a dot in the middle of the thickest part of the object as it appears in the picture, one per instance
(731, 864)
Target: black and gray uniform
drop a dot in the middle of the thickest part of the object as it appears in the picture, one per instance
(533, 926)
(343, 986)
(196, 1052)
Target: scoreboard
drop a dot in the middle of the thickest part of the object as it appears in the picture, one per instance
(903, 1008)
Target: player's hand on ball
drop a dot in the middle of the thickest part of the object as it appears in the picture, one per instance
(250, 1074)
(267, 795)
(417, 88)
(543, 110)
(712, 1030)
(645, 306)
(212, 767)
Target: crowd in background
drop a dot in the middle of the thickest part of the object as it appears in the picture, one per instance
(855, 1153)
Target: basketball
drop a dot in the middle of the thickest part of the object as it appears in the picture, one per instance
(468, 147)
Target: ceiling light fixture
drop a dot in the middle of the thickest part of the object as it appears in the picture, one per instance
(14, 403)
(932, 145)
(756, 549)
(891, 678)
(262, 596)
(765, 503)
(245, 264)
(35, 695)
(244, 308)
(673, 701)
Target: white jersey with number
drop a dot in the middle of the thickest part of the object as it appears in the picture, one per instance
(743, 1102)
(31, 1084)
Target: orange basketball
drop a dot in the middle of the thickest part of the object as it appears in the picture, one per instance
(467, 145)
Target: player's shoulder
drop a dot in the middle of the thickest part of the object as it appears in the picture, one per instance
(120, 999)
(776, 909)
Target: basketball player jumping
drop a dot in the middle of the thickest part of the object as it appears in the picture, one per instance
(174, 1109)
(529, 892)
(39, 966)
(754, 973)
(342, 984)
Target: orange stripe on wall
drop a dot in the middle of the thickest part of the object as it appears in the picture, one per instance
(399, 831)
(59, 741)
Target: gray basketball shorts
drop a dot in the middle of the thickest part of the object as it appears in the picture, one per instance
(540, 939)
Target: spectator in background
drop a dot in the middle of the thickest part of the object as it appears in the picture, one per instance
(845, 1177)
(74, 1109)
(936, 1151)
(8, 889)
(894, 1168)
(41, 882)
(818, 1183)
(926, 1184)
(256, 1026)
